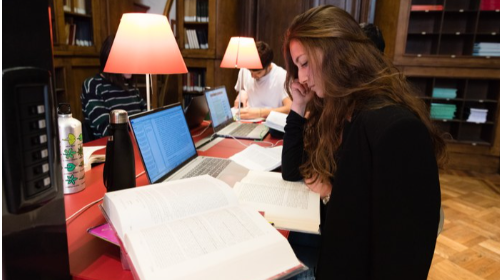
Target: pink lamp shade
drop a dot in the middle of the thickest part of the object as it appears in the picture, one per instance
(145, 44)
(241, 53)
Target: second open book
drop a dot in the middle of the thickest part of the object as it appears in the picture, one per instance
(196, 229)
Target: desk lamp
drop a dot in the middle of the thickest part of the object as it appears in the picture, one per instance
(241, 52)
(145, 44)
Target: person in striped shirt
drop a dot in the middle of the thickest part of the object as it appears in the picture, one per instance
(106, 92)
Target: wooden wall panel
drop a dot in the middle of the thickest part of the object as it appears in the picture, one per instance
(268, 20)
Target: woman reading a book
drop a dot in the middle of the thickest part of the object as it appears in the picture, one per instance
(367, 147)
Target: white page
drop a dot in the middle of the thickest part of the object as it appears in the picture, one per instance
(276, 120)
(136, 208)
(255, 157)
(230, 243)
(289, 205)
(87, 154)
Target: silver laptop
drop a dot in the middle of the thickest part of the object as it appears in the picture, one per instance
(168, 152)
(223, 121)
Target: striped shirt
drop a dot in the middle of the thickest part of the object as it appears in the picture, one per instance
(99, 97)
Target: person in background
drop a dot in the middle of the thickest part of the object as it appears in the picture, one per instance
(262, 90)
(106, 92)
(374, 34)
(368, 147)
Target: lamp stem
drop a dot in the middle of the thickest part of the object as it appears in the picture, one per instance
(147, 93)
(239, 95)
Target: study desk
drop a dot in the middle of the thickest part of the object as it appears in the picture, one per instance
(92, 258)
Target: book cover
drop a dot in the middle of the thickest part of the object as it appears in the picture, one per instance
(426, 7)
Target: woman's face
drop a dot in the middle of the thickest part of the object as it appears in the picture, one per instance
(305, 69)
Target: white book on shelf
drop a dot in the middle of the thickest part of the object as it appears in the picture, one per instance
(195, 38)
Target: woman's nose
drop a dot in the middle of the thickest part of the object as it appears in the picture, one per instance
(302, 79)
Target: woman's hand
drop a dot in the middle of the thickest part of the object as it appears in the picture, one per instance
(301, 95)
(324, 189)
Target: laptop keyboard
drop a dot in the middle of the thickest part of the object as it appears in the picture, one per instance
(210, 166)
(243, 130)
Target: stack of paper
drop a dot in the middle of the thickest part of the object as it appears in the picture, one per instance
(259, 158)
(486, 49)
(443, 111)
(477, 115)
(449, 93)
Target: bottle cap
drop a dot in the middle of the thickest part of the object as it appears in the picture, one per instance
(118, 116)
(64, 109)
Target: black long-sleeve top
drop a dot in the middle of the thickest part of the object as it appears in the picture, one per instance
(382, 218)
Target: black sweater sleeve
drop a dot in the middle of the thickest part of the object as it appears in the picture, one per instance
(293, 147)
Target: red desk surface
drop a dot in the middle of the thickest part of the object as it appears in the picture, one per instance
(92, 258)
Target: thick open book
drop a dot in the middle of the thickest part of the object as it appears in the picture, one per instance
(288, 205)
(196, 229)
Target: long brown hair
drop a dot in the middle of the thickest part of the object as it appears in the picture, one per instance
(353, 71)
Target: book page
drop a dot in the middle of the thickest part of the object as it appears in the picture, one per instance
(89, 157)
(229, 243)
(256, 157)
(136, 208)
(276, 120)
(288, 205)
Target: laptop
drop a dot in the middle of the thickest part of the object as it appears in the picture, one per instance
(223, 121)
(195, 110)
(168, 152)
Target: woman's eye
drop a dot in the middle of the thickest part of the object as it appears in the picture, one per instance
(304, 64)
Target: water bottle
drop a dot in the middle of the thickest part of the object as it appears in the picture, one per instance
(119, 168)
(71, 150)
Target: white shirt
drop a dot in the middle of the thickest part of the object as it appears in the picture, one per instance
(268, 91)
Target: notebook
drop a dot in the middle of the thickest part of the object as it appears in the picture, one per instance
(168, 152)
(196, 110)
(222, 118)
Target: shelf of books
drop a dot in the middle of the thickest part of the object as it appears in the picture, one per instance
(450, 50)
(195, 28)
(454, 28)
(78, 23)
(464, 108)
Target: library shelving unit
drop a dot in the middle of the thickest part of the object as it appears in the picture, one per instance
(203, 29)
(451, 45)
(76, 35)
(78, 29)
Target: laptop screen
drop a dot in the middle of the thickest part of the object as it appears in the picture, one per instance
(164, 140)
(218, 103)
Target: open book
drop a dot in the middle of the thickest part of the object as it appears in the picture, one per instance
(93, 155)
(255, 157)
(288, 205)
(276, 121)
(195, 229)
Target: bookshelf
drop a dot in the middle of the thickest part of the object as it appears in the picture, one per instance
(203, 29)
(76, 57)
(435, 46)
